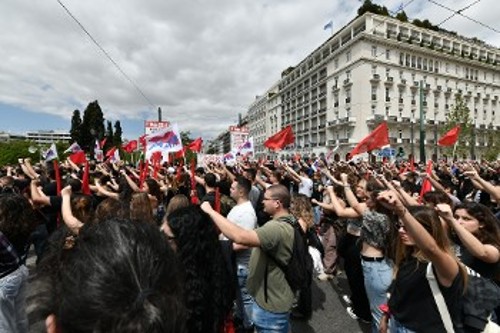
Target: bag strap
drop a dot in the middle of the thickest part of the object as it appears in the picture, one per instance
(438, 297)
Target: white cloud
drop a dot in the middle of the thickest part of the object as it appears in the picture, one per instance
(201, 61)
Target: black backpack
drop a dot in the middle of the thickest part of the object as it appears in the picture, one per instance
(298, 271)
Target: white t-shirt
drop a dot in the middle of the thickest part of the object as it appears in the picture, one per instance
(243, 215)
(306, 186)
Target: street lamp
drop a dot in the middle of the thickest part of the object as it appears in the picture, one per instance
(412, 136)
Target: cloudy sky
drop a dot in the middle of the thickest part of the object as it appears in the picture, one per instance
(201, 61)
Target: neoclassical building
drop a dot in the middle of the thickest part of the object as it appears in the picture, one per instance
(375, 69)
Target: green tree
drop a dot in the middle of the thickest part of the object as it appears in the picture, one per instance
(109, 135)
(92, 126)
(492, 150)
(402, 16)
(460, 115)
(76, 124)
(117, 137)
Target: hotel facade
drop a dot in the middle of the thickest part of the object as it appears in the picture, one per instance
(376, 69)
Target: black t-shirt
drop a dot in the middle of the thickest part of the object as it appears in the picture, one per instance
(412, 303)
(485, 269)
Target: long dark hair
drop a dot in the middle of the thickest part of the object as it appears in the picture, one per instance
(118, 276)
(489, 231)
(207, 282)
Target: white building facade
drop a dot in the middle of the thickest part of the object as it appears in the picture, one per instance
(376, 69)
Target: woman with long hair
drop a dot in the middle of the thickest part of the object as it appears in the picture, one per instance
(476, 233)
(207, 282)
(422, 240)
(376, 238)
(301, 208)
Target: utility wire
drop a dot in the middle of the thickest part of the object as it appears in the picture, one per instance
(459, 12)
(106, 54)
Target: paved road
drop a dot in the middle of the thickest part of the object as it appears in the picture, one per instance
(329, 315)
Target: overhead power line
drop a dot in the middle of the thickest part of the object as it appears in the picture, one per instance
(139, 90)
(459, 12)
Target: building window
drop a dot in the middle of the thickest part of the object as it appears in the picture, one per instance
(388, 54)
(387, 95)
(374, 69)
(424, 64)
(387, 109)
(400, 134)
(401, 75)
(413, 61)
(401, 59)
(374, 93)
(408, 64)
(387, 72)
(374, 108)
(336, 63)
(348, 56)
(348, 74)
(374, 51)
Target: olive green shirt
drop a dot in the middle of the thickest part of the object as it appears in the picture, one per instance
(276, 240)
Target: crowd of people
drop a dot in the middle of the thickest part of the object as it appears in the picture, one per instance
(205, 250)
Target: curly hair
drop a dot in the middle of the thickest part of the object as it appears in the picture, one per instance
(301, 208)
(208, 295)
(17, 217)
(131, 278)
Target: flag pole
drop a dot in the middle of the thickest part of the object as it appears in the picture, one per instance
(454, 149)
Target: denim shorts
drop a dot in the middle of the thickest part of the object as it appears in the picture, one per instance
(13, 317)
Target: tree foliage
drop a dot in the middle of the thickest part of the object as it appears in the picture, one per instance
(109, 135)
(76, 126)
(368, 6)
(402, 16)
(460, 115)
(117, 137)
(92, 126)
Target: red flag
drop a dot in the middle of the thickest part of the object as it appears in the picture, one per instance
(58, 177)
(194, 196)
(144, 173)
(450, 137)
(156, 159)
(426, 185)
(196, 145)
(110, 152)
(376, 139)
(142, 139)
(85, 180)
(217, 200)
(78, 157)
(280, 139)
(179, 154)
(130, 146)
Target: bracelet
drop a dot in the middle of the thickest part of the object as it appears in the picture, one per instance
(347, 186)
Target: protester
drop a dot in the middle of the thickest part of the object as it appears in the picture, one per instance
(129, 275)
(272, 242)
(17, 222)
(207, 286)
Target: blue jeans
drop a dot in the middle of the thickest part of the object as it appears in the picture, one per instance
(396, 327)
(317, 214)
(242, 273)
(13, 316)
(378, 277)
(269, 322)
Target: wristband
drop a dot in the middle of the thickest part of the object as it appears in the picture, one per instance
(385, 309)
